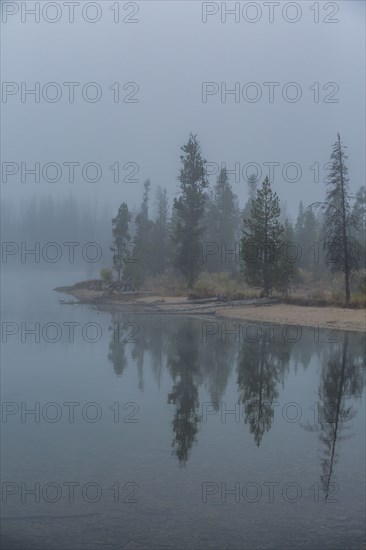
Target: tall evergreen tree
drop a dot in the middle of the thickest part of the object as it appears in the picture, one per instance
(252, 186)
(312, 231)
(223, 221)
(159, 233)
(189, 210)
(299, 234)
(342, 250)
(288, 260)
(121, 236)
(252, 192)
(359, 213)
(306, 235)
(210, 254)
(299, 226)
(140, 268)
(261, 242)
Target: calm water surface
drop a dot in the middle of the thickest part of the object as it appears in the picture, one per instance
(166, 432)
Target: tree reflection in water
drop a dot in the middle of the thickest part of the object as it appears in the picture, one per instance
(184, 367)
(261, 367)
(341, 378)
(177, 347)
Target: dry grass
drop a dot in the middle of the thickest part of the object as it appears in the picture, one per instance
(328, 292)
(209, 285)
(166, 285)
(308, 292)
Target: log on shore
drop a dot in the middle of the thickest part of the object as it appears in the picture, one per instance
(215, 300)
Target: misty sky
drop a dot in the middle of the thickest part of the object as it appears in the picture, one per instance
(169, 53)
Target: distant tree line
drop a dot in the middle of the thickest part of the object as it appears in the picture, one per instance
(46, 219)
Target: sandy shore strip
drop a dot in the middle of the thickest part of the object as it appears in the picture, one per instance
(283, 314)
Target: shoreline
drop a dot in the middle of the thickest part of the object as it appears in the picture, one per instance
(328, 318)
(265, 311)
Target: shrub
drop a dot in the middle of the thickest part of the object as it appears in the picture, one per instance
(362, 285)
(106, 275)
(358, 300)
(319, 297)
(303, 277)
(337, 297)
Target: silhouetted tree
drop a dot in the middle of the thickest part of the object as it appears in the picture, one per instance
(306, 237)
(189, 210)
(359, 214)
(159, 233)
(287, 265)
(141, 267)
(252, 192)
(260, 245)
(342, 250)
(121, 237)
(223, 222)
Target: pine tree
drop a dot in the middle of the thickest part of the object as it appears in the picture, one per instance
(310, 242)
(222, 220)
(252, 186)
(342, 251)
(305, 235)
(121, 236)
(139, 269)
(210, 252)
(288, 260)
(299, 234)
(159, 233)
(299, 226)
(252, 192)
(227, 218)
(261, 242)
(359, 214)
(189, 210)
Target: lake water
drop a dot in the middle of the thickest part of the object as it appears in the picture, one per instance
(172, 433)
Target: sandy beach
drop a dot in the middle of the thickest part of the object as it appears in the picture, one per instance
(285, 314)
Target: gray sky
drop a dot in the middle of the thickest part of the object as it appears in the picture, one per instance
(169, 53)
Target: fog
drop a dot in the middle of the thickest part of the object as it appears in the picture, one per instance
(168, 161)
(169, 52)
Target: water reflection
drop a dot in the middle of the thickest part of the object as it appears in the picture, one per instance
(218, 359)
(117, 352)
(261, 367)
(341, 379)
(175, 346)
(184, 368)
